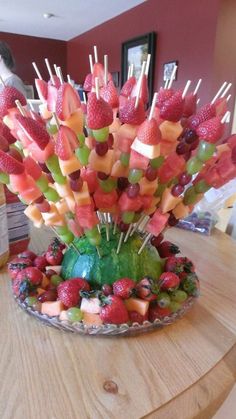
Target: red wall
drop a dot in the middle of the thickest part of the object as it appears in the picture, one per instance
(28, 48)
(185, 32)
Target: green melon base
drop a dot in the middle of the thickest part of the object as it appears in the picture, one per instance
(111, 266)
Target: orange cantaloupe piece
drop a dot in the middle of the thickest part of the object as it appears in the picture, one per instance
(70, 203)
(170, 131)
(137, 304)
(169, 201)
(33, 213)
(69, 166)
(63, 315)
(52, 308)
(45, 281)
(62, 207)
(101, 163)
(127, 130)
(167, 147)
(153, 206)
(118, 170)
(91, 319)
(181, 211)
(82, 197)
(147, 187)
(75, 121)
(63, 190)
(40, 291)
(114, 127)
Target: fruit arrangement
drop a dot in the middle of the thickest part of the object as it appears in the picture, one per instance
(99, 171)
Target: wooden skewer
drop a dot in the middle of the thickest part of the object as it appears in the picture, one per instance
(197, 86)
(98, 227)
(97, 88)
(153, 106)
(198, 100)
(145, 221)
(128, 233)
(20, 107)
(225, 117)
(95, 50)
(49, 70)
(226, 90)
(74, 247)
(228, 118)
(98, 251)
(91, 63)
(115, 227)
(147, 238)
(56, 120)
(140, 83)
(172, 76)
(2, 81)
(105, 69)
(219, 92)
(186, 88)
(131, 70)
(69, 80)
(84, 98)
(30, 105)
(37, 70)
(107, 227)
(228, 98)
(166, 84)
(59, 74)
(147, 65)
(128, 75)
(55, 68)
(120, 242)
(139, 222)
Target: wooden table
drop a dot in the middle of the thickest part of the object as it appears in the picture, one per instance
(183, 371)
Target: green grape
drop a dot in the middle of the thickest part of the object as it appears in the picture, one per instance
(4, 178)
(95, 241)
(124, 158)
(163, 299)
(127, 217)
(101, 134)
(160, 189)
(201, 186)
(82, 153)
(51, 128)
(51, 195)
(205, 151)
(174, 306)
(56, 280)
(67, 238)
(179, 296)
(93, 235)
(30, 301)
(42, 183)
(59, 178)
(135, 175)
(52, 164)
(74, 314)
(108, 185)
(61, 229)
(81, 138)
(190, 196)
(194, 165)
(91, 232)
(157, 162)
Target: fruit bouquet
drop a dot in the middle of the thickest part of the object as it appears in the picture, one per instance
(109, 175)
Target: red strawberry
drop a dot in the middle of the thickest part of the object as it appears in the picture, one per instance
(5, 131)
(26, 281)
(156, 312)
(144, 95)
(167, 248)
(49, 295)
(56, 244)
(129, 114)
(128, 87)
(109, 94)
(55, 81)
(17, 264)
(10, 165)
(169, 280)
(54, 256)
(163, 95)
(68, 101)
(174, 264)
(52, 98)
(107, 289)
(190, 105)
(8, 97)
(34, 131)
(124, 287)
(187, 264)
(136, 317)
(88, 83)
(114, 310)
(149, 132)
(31, 274)
(40, 262)
(206, 112)
(147, 289)
(42, 89)
(99, 112)
(66, 143)
(211, 130)
(172, 108)
(28, 254)
(69, 291)
(4, 146)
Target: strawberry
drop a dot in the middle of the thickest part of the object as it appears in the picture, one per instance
(211, 130)
(5, 131)
(144, 95)
(129, 114)
(4, 146)
(109, 94)
(107, 289)
(10, 165)
(31, 274)
(69, 291)
(124, 287)
(128, 87)
(17, 264)
(49, 295)
(167, 248)
(28, 254)
(54, 256)
(163, 95)
(66, 143)
(169, 281)
(68, 101)
(56, 243)
(87, 87)
(190, 105)
(8, 97)
(52, 98)
(156, 312)
(174, 264)
(99, 112)
(42, 89)
(55, 81)
(26, 281)
(114, 310)
(187, 264)
(205, 112)
(34, 131)
(172, 108)
(147, 289)
(149, 132)
(40, 262)
(136, 317)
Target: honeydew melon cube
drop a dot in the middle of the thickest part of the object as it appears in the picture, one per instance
(90, 305)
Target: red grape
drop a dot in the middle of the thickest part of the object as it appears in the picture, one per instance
(194, 145)
(151, 174)
(123, 227)
(102, 176)
(75, 175)
(76, 185)
(172, 221)
(101, 148)
(190, 136)
(156, 241)
(184, 179)
(177, 190)
(182, 148)
(133, 190)
(122, 183)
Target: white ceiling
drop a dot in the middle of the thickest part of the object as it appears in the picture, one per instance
(73, 17)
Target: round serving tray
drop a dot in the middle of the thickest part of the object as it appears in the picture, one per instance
(109, 329)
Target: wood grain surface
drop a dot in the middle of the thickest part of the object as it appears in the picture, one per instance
(183, 371)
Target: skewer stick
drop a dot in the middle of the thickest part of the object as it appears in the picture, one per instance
(2, 81)
(147, 65)
(166, 83)
(128, 75)
(95, 50)
(153, 106)
(139, 222)
(120, 242)
(226, 90)
(219, 92)
(55, 68)
(84, 98)
(56, 120)
(225, 117)
(144, 243)
(107, 227)
(98, 227)
(131, 70)
(59, 74)
(228, 97)
(49, 70)
(143, 225)
(172, 76)
(69, 79)
(128, 233)
(74, 247)
(97, 88)
(20, 107)
(91, 63)
(198, 100)
(30, 105)
(228, 118)
(115, 227)
(197, 86)
(140, 83)
(99, 254)
(105, 69)
(186, 88)
(37, 70)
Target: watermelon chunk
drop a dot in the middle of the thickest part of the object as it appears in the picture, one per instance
(157, 223)
(105, 200)
(137, 161)
(129, 204)
(86, 216)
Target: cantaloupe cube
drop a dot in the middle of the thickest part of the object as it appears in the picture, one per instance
(127, 130)
(56, 268)
(91, 319)
(31, 194)
(147, 150)
(62, 207)
(52, 216)
(137, 304)
(181, 211)
(118, 170)
(147, 187)
(101, 163)
(70, 203)
(90, 305)
(33, 213)
(167, 147)
(75, 121)
(52, 308)
(169, 201)
(45, 281)
(63, 315)
(170, 131)
(69, 166)
(63, 190)
(82, 197)
(153, 206)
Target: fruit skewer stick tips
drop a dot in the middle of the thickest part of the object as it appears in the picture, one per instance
(198, 101)
(226, 117)
(97, 88)
(37, 70)
(107, 226)
(91, 63)
(219, 92)
(30, 105)
(226, 90)
(59, 74)
(95, 51)
(55, 68)
(120, 242)
(197, 86)
(131, 70)
(128, 233)
(228, 98)
(186, 88)
(84, 98)
(140, 83)
(115, 227)
(20, 107)
(99, 253)
(172, 77)
(105, 69)
(147, 65)
(153, 106)
(147, 238)
(49, 70)
(139, 222)
(69, 80)
(2, 81)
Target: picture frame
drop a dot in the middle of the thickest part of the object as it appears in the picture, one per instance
(135, 51)
(168, 68)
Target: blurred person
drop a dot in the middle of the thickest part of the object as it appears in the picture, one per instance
(7, 65)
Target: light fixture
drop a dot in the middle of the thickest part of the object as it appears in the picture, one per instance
(48, 15)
